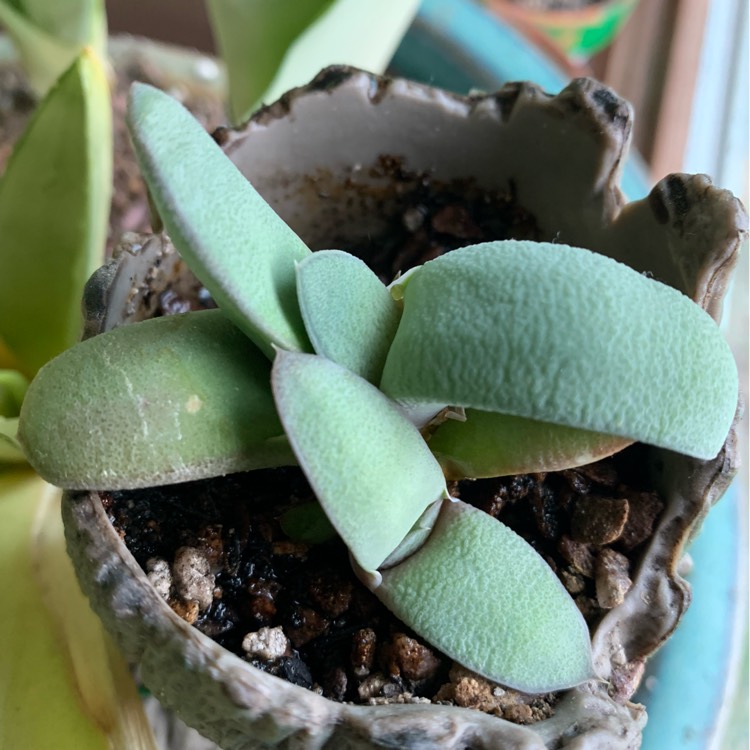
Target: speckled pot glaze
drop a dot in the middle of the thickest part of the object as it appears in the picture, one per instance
(313, 156)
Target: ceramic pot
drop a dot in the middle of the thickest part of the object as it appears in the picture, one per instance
(324, 157)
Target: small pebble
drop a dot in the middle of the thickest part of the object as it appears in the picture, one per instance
(160, 575)
(267, 644)
(192, 577)
(612, 578)
(598, 520)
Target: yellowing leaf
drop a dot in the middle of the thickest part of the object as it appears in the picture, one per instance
(54, 206)
(40, 704)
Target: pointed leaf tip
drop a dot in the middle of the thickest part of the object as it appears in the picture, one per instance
(368, 465)
(230, 237)
(517, 624)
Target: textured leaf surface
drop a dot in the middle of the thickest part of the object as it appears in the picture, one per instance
(488, 444)
(231, 238)
(166, 400)
(349, 314)
(484, 597)
(45, 701)
(563, 335)
(368, 466)
(54, 207)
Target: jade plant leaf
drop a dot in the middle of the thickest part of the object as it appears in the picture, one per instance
(489, 444)
(270, 48)
(367, 464)
(166, 400)
(50, 35)
(349, 314)
(484, 597)
(231, 238)
(563, 335)
(10, 449)
(63, 162)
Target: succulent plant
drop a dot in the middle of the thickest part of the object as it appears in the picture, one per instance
(493, 359)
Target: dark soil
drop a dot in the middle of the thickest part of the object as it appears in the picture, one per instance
(217, 553)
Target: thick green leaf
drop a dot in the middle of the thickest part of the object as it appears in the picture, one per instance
(253, 36)
(54, 208)
(270, 48)
(349, 314)
(484, 597)
(13, 386)
(10, 449)
(231, 238)
(76, 21)
(50, 35)
(563, 335)
(369, 466)
(167, 400)
(62, 684)
(488, 444)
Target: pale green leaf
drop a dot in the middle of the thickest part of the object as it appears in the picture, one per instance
(362, 33)
(81, 22)
(13, 386)
(166, 400)
(349, 315)
(41, 673)
(10, 449)
(54, 208)
(101, 676)
(50, 35)
(484, 597)
(368, 466)
(270, 48)
(563, 335)
(231, 238)
(488, 444)
(253, 36)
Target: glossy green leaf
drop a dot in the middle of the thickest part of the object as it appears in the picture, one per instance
(50, 35)
(231, 238)
(368, 466)
(10, 449)
(253, 36)
(488, 444)
(63, 685)
(54, 208)
(484, 597)
(563, 335)
(349, 315)
(13, 386)
(270, 48)
(166, 400)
